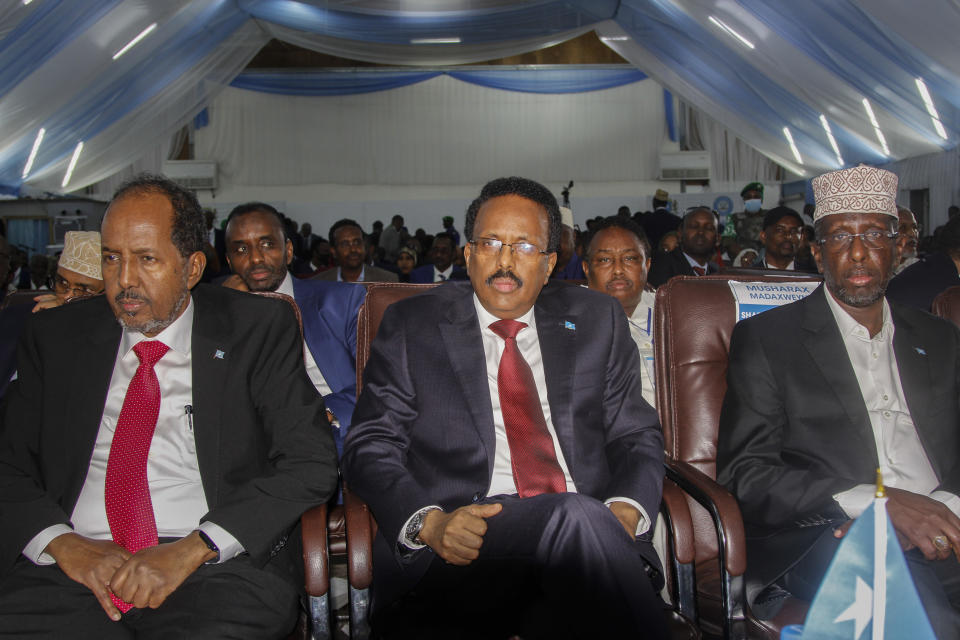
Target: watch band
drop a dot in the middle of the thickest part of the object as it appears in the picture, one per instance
(210, 545)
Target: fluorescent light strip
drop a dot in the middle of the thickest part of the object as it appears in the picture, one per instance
(793, 146)
(143, 34)
(33, 153)
(931, 108)
(615, 38)
(453, 40)
(833, 141)
(876, 127)
(73, 164)
(26, 2)
(730, 32)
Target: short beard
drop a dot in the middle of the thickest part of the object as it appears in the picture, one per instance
(267, 285)
(156, 325)
(864, 299)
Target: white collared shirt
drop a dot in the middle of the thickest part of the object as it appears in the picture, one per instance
(313, 371)
(790, 267)
(359, 279)
(442, 276)
(693, 263)
(173, 470)
(902, 458)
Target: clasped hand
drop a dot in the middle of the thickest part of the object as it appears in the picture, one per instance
(144, 579)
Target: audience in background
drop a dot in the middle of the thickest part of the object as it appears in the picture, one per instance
(350, 251)
(569, 266)
(919, 283)
(390, 239)
(698, 244)
(450, 230)
(782, 231)
(406, 262)
(442, 254)
(661, 220)
(908, 238)
(743, 228)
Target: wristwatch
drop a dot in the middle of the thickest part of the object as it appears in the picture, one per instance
(412, 532)
(210, 545)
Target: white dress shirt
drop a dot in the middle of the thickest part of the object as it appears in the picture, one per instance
(359, 278)
(442, 276)
(902, 459)
(173, 471)
(693, 262)
(641, 330)
(313, 371)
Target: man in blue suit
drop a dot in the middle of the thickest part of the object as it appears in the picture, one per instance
(258, 252)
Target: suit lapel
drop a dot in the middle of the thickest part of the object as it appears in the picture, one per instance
(916, 378)
(464, 345)
(557, 332)
(88, 396)
(210, 353)
(825, 345)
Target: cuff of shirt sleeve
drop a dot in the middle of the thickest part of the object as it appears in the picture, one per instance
(229, 546)
(949, 499)
(34, 548)
(856, 500)
(644, 524)
(407, 542)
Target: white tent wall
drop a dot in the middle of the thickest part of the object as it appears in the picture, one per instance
(937, 172)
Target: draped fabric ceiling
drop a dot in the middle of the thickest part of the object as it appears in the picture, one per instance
(791, 69)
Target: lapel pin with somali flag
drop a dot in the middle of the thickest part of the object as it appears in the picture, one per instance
(867, 593)
(569, 325)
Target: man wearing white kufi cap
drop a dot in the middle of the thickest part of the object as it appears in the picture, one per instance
(78, 271)
(824, 391)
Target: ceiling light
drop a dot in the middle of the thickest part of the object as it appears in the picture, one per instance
(833, 141)
(453, 40)
(614, 38)
(33, 153)
(26, 2)
(730, 32)
(931, 108)
(793, 146)
(140, 36)
(73, 164)
(876, 127)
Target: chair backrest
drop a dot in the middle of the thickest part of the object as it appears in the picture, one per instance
(947, 305)
(380, 295)
(285, 298)
(694, 320)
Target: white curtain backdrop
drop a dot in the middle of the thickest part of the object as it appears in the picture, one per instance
(438, 132)
(731, 159)
(938, 172)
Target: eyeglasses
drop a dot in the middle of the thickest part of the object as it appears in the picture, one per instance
(492, 247)
(873, 239)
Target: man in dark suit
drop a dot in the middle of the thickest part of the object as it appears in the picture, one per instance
(824, 391)
(495, 422)
(442, 253)
(920, 283)
(182, 418)
(259, 254)
(350, 251)
(698, 244)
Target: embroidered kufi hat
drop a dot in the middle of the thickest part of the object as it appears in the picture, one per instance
(860, 189)
(81, 253)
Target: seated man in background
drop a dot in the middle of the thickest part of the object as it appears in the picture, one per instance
(259, 253)
(920, 283)
(350, 252)
(505, 449)
(441, 254)
(823, 391)
(152, 473)
(908, 239)
(782, 231)
(698, 244)
(616, 263)
(78, 270)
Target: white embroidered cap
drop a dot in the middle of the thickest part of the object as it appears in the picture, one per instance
(81, 253)
(860, 189)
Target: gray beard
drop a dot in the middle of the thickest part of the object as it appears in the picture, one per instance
(864, 299)
(158, 324)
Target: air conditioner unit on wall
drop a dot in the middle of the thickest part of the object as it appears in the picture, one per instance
(192, 174)
(685, 165)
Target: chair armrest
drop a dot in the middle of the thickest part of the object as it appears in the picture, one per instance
(723, 509)
(360, 531)
(313, 526)
(677, 517)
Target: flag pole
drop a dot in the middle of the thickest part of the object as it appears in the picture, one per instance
(879, 558)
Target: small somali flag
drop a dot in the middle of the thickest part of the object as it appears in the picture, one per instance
(868, 593)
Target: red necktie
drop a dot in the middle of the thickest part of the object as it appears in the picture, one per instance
(700, 271)
(532, 455)
(126, 493)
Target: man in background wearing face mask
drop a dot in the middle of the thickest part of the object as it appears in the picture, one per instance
(743, 228)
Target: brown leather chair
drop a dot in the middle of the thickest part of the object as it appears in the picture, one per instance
(313, 530)
(694, 319)
(361, 526)
(947, 305)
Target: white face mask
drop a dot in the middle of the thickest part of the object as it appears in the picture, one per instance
(752, 205)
